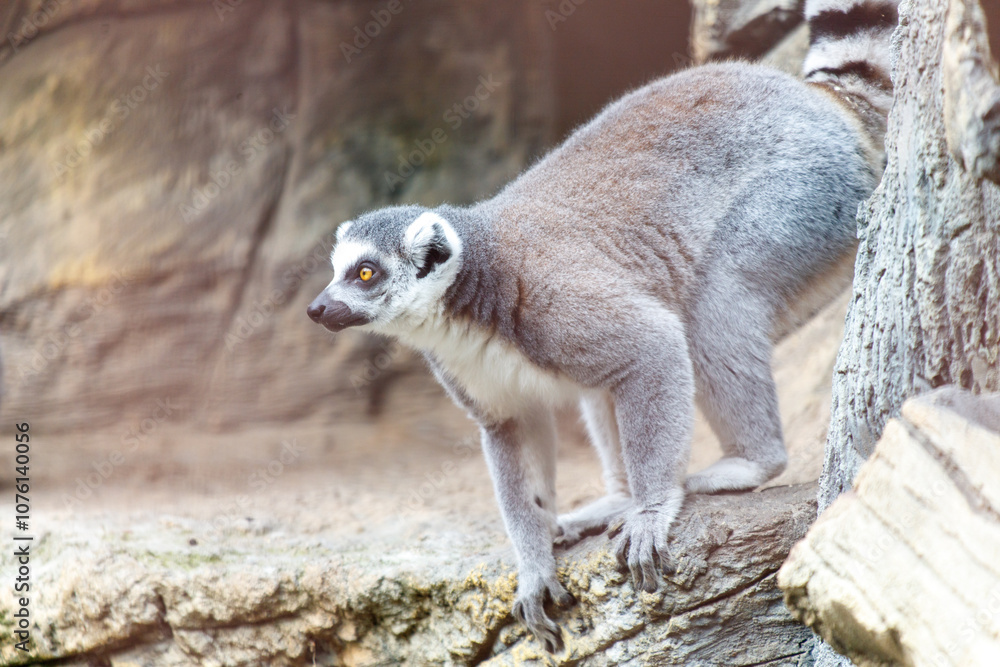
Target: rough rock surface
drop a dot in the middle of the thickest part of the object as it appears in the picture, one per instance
(286, 587)
(905, 569)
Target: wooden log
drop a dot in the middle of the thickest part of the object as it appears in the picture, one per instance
(905, 568)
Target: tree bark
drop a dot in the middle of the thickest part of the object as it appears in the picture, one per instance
(926, 306)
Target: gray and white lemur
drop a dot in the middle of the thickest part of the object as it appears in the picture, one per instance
(646, 263)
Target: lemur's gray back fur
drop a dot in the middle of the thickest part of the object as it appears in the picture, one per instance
(645, 264)
(687, 206)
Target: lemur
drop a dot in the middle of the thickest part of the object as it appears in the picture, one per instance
(645, 264)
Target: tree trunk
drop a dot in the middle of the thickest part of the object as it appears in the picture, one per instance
(926, 305)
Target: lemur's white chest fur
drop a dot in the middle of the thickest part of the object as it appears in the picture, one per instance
(490, 370)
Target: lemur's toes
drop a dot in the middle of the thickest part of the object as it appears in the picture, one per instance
(517, 611)
(529, 609)
(563, 599)
(668, 564)
(554, 643)
(566, 538)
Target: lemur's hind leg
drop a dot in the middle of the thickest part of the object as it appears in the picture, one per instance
(731, 353)
(598, 412)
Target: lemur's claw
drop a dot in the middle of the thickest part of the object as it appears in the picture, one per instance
(529, 609)
(642, 544)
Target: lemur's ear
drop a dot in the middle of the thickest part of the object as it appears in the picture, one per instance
(427, 242)
(342, 229)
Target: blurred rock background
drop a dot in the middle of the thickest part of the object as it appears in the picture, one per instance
(164, 231)
(171, 174)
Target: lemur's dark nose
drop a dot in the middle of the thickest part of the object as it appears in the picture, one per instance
(334, 315)
(315, 311)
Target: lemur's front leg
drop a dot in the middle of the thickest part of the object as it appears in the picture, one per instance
(520, 453)
(654, 407)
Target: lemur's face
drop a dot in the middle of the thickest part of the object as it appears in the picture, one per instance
(390, 270)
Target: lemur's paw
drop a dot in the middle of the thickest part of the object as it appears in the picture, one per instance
(732, 474)
(642, 543)
(529, 609)
(591, 519)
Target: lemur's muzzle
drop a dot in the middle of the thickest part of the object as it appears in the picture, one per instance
(334, 315)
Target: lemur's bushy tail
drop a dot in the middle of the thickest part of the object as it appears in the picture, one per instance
(849, 50)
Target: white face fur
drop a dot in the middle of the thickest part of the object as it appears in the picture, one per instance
(393, 298)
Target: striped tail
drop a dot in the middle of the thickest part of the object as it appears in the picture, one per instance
(849, 54)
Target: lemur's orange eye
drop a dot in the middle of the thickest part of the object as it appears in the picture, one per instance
(365, 273)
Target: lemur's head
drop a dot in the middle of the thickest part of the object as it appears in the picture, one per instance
(390, 269)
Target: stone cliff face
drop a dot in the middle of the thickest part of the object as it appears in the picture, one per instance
(172, 171)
